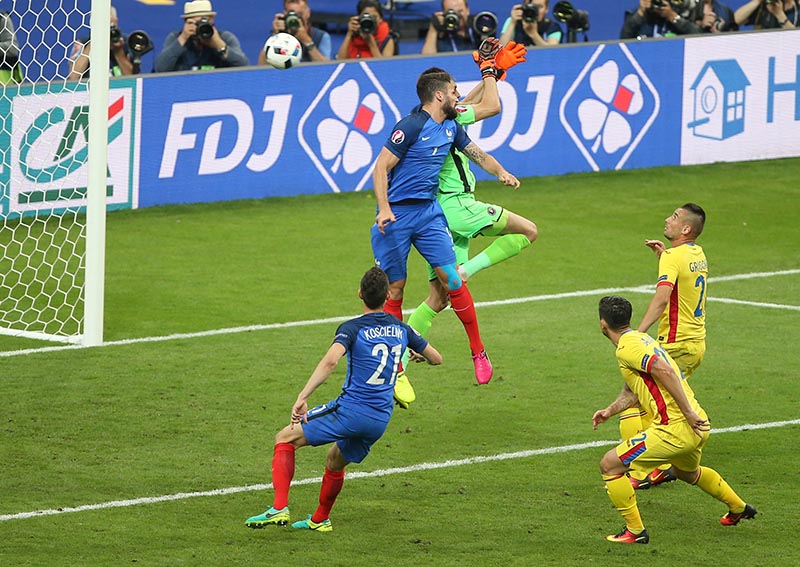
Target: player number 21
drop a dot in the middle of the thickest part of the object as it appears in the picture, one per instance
(701, 283)
(382, 350)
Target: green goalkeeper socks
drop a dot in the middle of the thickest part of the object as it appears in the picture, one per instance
(420, 320)
(505, 247)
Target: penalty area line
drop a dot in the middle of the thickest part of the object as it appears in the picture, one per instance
(330, 320)
(363, 474)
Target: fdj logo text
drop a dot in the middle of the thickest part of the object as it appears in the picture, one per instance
(227, 127)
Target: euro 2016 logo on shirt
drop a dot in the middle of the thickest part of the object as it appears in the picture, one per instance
(346, 125)
(610, 107)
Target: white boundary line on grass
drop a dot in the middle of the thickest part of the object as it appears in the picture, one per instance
(359, 474)
(512, 301)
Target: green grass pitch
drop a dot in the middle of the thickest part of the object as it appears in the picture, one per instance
(142, 418)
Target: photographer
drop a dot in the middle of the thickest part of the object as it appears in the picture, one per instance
(368, 34)
(120, 61)
(199, 45)
(768, 14)
(10, 69)
(657, 18)
(714, 17)
(296, 20)
(450, 30)
(530, 26)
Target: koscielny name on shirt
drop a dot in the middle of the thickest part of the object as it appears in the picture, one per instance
(387, 331)
(701, 266)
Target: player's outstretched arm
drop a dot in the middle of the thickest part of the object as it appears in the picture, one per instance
(490, 165)
(318, 377)
(625, 399)
(431, 355)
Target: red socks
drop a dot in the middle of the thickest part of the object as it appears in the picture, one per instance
(331, 486)
(394, 307)
(461, 301)
(282, 473)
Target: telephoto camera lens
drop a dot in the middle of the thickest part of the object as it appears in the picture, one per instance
(116, 35)
(452, 20)
(367, 23)
(139, 42)
(292, 21)
(530, 13)
(485, 24)
(204, 29)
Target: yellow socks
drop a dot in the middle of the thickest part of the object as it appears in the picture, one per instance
(623, 497)
(712, 483)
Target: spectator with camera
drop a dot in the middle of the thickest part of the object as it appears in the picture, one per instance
(530, 26)
(368, 34)
(296, 20)
(450, 30)
(658, 18)
(10, 69)
(768, 14)
(120, 61)
(199, 45)
(714, 17)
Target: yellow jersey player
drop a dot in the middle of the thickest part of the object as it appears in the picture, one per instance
(678, 430)
(679, 306)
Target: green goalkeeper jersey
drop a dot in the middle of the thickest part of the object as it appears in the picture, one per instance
(455, 175)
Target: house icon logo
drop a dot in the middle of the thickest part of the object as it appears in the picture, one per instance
(719, 100)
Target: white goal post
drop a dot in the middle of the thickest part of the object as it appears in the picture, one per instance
(53, 172)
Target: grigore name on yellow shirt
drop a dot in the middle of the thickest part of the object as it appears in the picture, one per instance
(701, 266)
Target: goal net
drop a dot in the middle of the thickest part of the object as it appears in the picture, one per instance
(52, 170)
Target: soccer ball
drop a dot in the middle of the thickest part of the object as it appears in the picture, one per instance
(283, 51)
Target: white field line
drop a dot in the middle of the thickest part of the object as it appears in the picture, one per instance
(511, 301)
(365, 474)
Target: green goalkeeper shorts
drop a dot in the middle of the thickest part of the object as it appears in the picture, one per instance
(468, 218)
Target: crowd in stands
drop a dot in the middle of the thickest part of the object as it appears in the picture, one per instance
(197, 44)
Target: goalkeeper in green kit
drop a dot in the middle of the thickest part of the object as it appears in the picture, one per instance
(466, 216)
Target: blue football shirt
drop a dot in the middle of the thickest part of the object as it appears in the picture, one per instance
(374, 344)
(422, 144)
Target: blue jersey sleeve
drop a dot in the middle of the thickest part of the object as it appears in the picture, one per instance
(462, 139)
(345, 335)
(415, 340)
(405, 133)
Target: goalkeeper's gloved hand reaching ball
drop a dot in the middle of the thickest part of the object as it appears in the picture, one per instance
(494, 60)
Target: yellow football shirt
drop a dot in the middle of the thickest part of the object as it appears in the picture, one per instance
(685, 269)
(636, 354)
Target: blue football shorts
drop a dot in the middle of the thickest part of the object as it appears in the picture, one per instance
(353, 432)
(422, 225)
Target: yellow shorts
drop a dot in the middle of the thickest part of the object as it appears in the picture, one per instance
(676, 444)
(687, 354)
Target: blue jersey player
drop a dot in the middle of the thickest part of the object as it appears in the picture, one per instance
(355, 420)
(406, 180)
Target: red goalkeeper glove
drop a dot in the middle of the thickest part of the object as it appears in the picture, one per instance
(511, 54)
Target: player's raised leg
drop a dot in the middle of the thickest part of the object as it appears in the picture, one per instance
(421, 320)
(516, 233)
